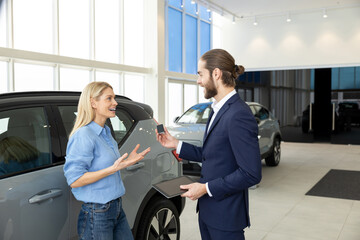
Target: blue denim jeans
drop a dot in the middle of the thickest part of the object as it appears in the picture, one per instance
(103, 222)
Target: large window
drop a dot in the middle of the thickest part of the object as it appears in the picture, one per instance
(3, 34)
(83, 41)
(33, 25)
(30, 77)
(3, 77)
(134, 87)
(74, 31)
(107, 30)
(345, 78)
(188, 35)
(182, 95)
(73, 79)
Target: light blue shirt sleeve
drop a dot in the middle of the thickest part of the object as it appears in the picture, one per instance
(79, 156)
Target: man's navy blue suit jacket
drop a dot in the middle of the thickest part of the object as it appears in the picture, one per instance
(231, 164)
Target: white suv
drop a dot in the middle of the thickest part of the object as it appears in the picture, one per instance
(190, 127)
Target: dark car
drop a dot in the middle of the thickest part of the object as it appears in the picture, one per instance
(349, 114)
(190, 127)
(35, 200)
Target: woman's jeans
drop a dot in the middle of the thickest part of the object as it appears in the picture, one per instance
(103, 221)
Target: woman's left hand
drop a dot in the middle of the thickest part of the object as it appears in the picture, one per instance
(127, 160)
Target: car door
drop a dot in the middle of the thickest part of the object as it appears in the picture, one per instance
(136, 178)
(33, 191)
(265, 126)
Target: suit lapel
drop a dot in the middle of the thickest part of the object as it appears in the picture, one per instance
(221, 112)
(207, 124)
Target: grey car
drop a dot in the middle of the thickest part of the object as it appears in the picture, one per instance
(35, 201)
(190, 127)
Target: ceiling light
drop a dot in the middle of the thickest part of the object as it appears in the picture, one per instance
(197, 9)
(192, 1)
(182, 3)
(233, 21)
(288, 19)
(255, 22)
(324, 13)
(208, 8)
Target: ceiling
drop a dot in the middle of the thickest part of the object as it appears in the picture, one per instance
(249, 8)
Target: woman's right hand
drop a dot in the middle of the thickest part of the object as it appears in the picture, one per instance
(127, 160)
(166, 140)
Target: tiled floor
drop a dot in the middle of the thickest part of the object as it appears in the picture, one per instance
(279, 208)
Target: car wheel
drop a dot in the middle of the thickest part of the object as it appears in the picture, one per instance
(160, 221)
(274, 158)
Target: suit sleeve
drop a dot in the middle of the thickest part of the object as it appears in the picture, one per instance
(191, 152)
(243, 138)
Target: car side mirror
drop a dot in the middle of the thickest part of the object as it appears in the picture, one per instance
(257, 120)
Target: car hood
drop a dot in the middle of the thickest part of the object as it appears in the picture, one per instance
(191, 133)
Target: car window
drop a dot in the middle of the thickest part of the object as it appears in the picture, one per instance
(261, 113)
(68, 115)
(196, 114)
(121, 124)
(253, 110)
(24, 140)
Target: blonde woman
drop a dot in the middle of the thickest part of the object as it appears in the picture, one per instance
(93, 165)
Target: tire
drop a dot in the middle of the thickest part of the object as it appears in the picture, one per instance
(160, 220)
(274, 158)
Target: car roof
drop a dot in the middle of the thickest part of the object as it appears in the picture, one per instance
(68, 97)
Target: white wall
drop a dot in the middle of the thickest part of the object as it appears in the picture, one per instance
(308, 41)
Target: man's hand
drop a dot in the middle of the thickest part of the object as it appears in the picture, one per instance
(195, 190)
(166, 140)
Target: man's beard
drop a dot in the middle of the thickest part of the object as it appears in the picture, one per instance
(210, 89)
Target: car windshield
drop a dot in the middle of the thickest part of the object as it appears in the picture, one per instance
(196, 114)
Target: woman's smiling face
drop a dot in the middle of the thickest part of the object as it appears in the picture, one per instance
(104, 107)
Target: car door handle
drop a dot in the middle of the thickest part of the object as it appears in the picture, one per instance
(52, 193)
(136, 166)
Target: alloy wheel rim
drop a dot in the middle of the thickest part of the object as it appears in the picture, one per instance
(163, 226)
(277, 151)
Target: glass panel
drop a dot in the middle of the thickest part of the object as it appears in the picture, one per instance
(3, 77)
(189, 7)
(175, 3)
(107, 30)
(33, 25)
(121, 124)
(204, 14)
(335, 78)
(175, 40)
(68, 116)
(191, 45)
(357, 77)
(74, 31)
(134, 87)
(30, 77)
(24, 140)
(347, 75)
(201, 95)
(190, 95)
(134, 32)
(73, 79)
(175, 101)
(112, 78)
(3, 34)
(204, 37)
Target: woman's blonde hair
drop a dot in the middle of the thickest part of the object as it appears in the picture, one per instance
(85, 111)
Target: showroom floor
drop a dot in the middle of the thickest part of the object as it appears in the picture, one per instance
(279, 208)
